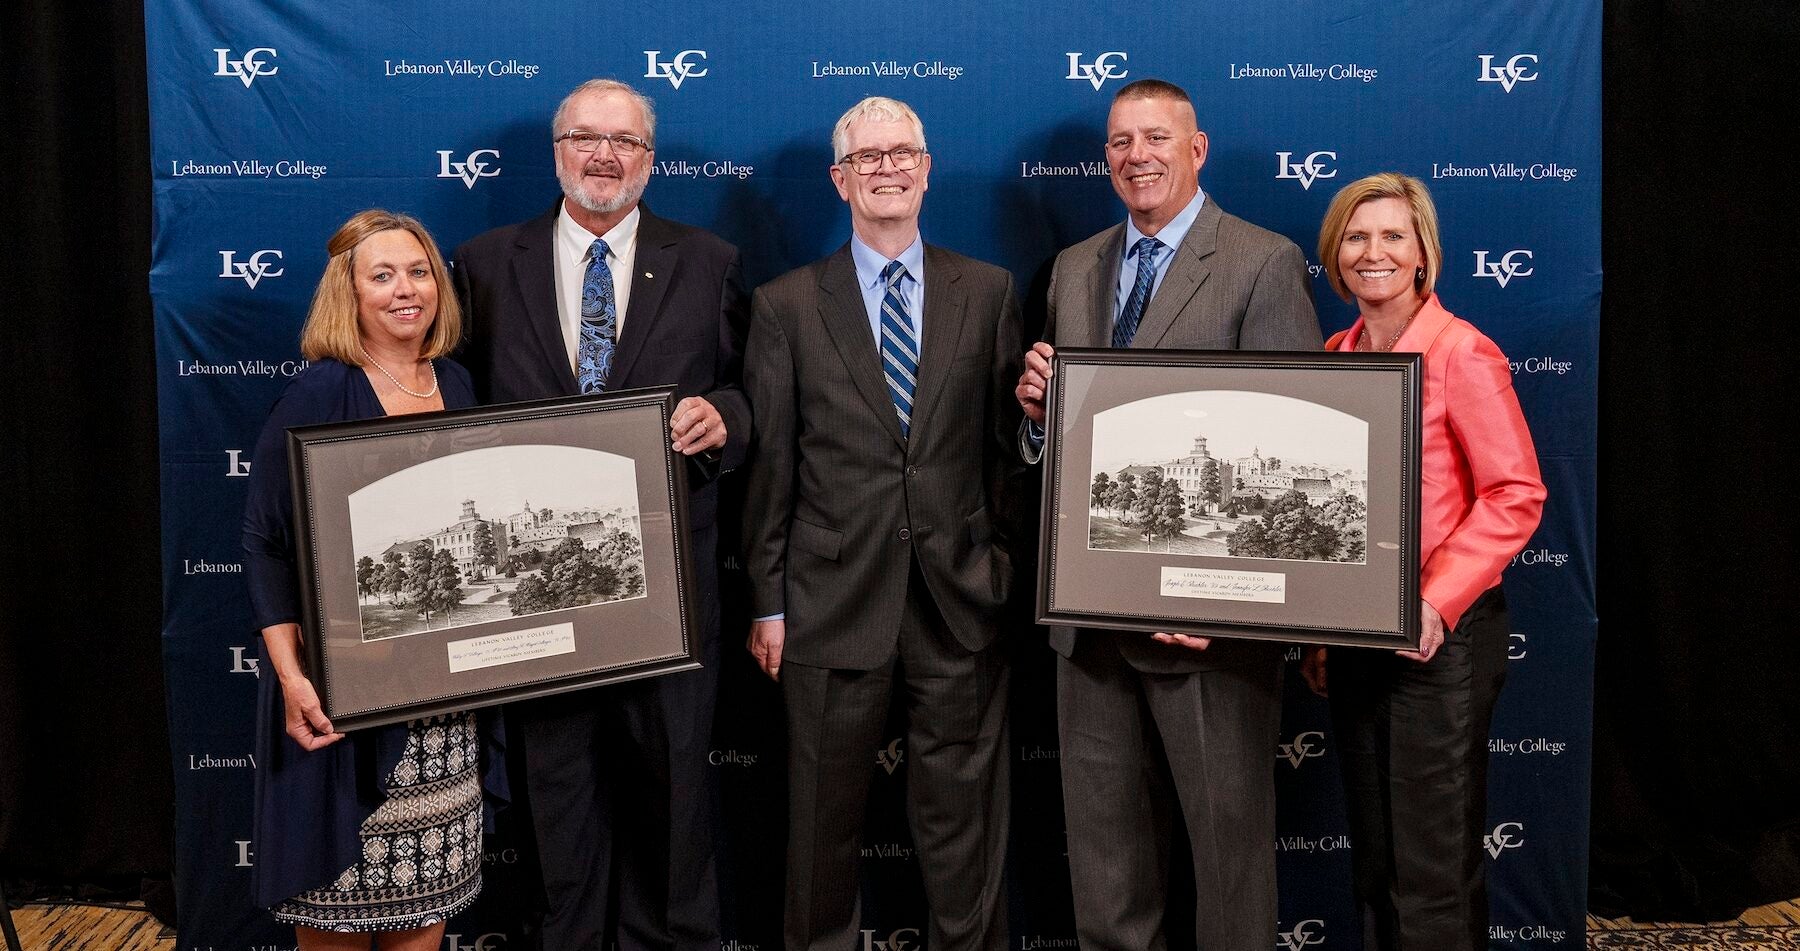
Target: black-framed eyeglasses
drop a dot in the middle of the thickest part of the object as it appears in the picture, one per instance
(905, 158)
(624, 144)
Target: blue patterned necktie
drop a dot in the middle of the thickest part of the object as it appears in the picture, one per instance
(1127, 325)
(599, 323)
(899, 346)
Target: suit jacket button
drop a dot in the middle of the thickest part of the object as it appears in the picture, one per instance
(905, 534)
(912, 470)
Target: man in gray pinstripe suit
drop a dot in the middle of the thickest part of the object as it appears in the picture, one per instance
(1137, 712)
(880, 384)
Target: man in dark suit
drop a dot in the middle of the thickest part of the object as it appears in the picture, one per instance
(599, 294)
(1178, 273)
(881, 379)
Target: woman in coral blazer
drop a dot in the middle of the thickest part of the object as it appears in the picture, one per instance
(1413, 728)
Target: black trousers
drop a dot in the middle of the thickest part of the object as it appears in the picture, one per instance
(624, 804)
(1413, 741)
(958, 788)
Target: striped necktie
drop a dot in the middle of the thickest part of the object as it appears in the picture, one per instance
(599, 322)
(1127, 325)
(899, 346)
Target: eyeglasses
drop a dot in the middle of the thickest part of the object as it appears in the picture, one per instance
(624, 144)
(905, 159)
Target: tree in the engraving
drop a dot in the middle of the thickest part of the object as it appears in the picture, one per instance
(624, 553)
(1123, 496)
(1212, 490)
(531, 596)
(1169, 519)
(418, 591)
(393, 576)
(1248, 540)
(1102, 489)
(443, 589)
(1349, 515)
(1146, 508)
(365, 577)
(487, 552)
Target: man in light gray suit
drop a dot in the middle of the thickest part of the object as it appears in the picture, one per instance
(1135, 711)
(880, 381)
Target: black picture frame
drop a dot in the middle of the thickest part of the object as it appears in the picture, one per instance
(379, 485)
(1100, 566)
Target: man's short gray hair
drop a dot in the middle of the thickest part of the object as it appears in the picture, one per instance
(880, 109)
(598, 86)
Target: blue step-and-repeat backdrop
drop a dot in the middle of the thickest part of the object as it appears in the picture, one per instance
(272, 123)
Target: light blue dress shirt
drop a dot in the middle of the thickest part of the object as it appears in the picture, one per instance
(1171, 235)
(869, 264)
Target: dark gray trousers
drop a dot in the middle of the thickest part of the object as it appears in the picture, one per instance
(958, 796)
(1215, 732)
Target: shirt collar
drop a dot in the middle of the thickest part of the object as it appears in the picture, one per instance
(1172, 233)
(869, 261)
(575, 239)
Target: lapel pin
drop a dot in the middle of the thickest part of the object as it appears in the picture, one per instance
(649, 275)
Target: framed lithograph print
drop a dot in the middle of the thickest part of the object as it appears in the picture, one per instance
(1269, 495)
(462, 559)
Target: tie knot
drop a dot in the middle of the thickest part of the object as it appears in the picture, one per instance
(1146, 249)
(597, 250)
(892, 274)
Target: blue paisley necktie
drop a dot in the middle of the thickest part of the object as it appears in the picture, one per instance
(599, 323)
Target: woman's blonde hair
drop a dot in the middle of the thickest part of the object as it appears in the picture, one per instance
(1383, 185)
(331, 328)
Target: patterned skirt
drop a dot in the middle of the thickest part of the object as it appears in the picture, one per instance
(421, 860)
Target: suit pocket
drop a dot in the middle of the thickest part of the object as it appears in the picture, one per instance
(816, 539)
(979, 527)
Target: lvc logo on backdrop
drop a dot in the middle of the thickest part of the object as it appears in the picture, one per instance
(900, 939)
(890, 756)
(1305, 746)
(676, 70)
(253, 268)
(471, 169)
(1303, 934)
(1108, 65)
(243, 663)
(491, 941)
(1306, 172)
(248, 67)
(1519, 69)
(1506, 835)
(1514, 263)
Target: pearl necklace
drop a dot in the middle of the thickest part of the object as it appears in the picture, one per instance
(428, 394)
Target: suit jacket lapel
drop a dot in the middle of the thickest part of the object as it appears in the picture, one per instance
(1102, 292)
(534, 268)
(941, 330)
(655, 268)
(847, 322)
(1187, 271)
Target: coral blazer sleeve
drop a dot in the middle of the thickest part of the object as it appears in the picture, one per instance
(1499, 494)
(1480, 492)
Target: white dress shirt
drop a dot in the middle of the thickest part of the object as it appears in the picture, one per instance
(572, 244)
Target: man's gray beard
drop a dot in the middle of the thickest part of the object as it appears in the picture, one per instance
(628, 194)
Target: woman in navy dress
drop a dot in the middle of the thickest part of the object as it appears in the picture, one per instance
(376, 830)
